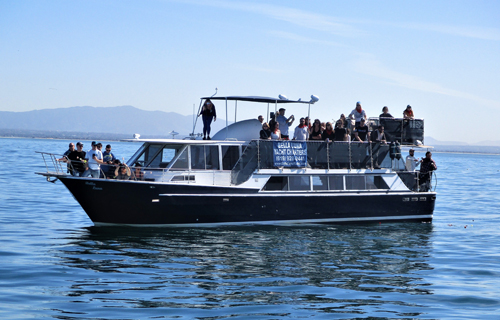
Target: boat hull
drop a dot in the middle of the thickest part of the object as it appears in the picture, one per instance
(109, 202)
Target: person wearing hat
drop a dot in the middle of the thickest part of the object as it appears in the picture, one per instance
(411, 162)
(108, 158)
(284, 123)
(94, 157)
(358, 113)
(361, 132)
(408, 113)
(77, 160)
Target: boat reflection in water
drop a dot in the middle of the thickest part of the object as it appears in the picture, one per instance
(258, 271)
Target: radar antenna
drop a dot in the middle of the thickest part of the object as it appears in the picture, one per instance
(214, 93)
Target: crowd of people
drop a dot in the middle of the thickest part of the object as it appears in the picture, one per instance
(279, 127)
(98, 164)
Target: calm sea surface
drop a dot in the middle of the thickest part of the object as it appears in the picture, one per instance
(55, 264)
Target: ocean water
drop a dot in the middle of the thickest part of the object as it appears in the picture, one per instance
(55, 264)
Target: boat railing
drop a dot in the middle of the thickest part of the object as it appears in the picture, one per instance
(406, 131)
(57, 164)
(259, 154)
(52, 164)
(415, 181)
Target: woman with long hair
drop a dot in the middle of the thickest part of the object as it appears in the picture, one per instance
(328, 133)
(275, 131)
(265, 133)
(316, 131)
(207, 113)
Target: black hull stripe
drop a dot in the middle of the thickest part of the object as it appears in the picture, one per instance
(305, 194)
(277, 222)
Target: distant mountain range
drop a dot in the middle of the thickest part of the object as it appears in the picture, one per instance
(125, 120)
(114, 123)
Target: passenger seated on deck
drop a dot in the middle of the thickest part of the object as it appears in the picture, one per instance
(408, 113)
(340, 132)
(122, 172)
(138, 174)
(265, 133)
(361, 132)
(112, 168)
(315, 131)
(385, 113)
(308, 123)
(275, 132)
(378, 135)
(328, 134)
(347, 123)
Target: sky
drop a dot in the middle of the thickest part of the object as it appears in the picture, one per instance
(441, 57)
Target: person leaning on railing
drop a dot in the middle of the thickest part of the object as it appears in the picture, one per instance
(65, 156)
(76, 159)
(427, 165)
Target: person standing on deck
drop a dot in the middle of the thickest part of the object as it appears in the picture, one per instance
(411, 161)
(301, 131)
(427, 166)
(65, 156)
(284, 123)
(77, 160)
(358, 113)
(208, 113)
(94, 157)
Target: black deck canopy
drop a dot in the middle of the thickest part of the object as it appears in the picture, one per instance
(257, 99)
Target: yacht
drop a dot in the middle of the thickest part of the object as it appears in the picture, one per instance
(238, 179)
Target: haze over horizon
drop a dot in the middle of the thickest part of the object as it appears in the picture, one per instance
(439, 57)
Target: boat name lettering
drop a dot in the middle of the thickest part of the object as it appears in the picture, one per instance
(90, 183)
(96, 188)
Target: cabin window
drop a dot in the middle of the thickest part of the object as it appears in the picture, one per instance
(276, 184)
(320, 182)
(375, 182)
(167, 155)
(336, 182)
(182, 161)
(183, 178)
(162, 160)
(230, 155)
(355, 182)
(148, 154)
(205, 157)
(299, 183)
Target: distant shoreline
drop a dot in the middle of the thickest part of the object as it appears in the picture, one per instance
(493, 150)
